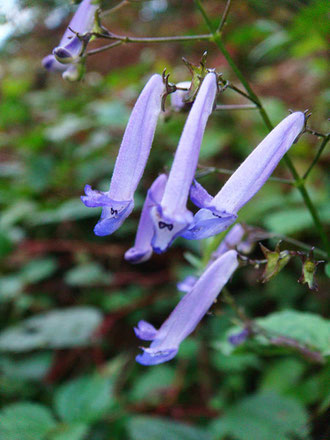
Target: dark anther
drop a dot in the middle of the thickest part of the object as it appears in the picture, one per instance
(216, 215)
(163, 225)
(114, 211)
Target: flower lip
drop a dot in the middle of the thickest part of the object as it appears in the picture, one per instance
(208, 222)
(135, 255)
(150, 357)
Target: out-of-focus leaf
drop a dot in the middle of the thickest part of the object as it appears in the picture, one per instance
(70, 210)
(71, 327)
(75, 431)
(25, 421)
(153, 383)
(283, 375)
(85, 399)
(87, 274)
(37, 270)
(156, 428)
(10, 287)
(265, 416)
(17, 212)
(33, 367)
(68, 126)
(113, 114)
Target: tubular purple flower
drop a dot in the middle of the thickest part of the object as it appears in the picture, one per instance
(142, 249)
(219, 212)
(71, 46)
(133, 154)
(171, 216)
(187, 314)
(177, 98)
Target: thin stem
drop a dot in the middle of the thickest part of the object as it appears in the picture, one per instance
(179, 38)
(236, 107)
(205, 16)
(318, 154)
(103, 48)
(114, 8)
(224, 16)
(216, 37)
(298, 243)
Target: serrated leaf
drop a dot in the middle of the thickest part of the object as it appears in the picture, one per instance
(265, 416)
(156, 428)
(71, 327)
(25, 421)
(92, 397)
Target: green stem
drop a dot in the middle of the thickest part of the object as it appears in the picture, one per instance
(317, 156)
(216, 38)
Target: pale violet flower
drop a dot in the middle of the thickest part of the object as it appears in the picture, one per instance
(71, 46)
(219, 212)
(142, 249)
(187, 314)
(171, 216)
(118, 202)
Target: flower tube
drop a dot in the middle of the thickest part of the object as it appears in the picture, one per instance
(71, 46)
(178, 97)
(118, 202)
(171, 216)
(219, 212)
(187, 314)
(142, 249)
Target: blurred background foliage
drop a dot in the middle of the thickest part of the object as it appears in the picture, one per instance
(69, 301)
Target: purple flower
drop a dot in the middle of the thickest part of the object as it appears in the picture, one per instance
(177, 98)
(171, 215)
(240, 337)
(71, 46)
(142, 249)
(219, 212)
(187, 314)
(118, 203)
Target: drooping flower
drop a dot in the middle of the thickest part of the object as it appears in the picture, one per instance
(171, 216)
(219, 212)
(187, 314)
(71, 46)
(142, 249)
(118, 202)
(178, 97)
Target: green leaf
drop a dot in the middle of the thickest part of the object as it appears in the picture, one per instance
(25, 421)
(306, 328)
(155, 428)
(152, 384)
(87, 274)
(92, 397)
(265, 416)
(38, 269)
(71, 327)
(32, 367)
(76, 431)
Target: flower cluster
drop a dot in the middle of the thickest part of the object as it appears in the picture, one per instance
(67, 56)
(165, 215)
